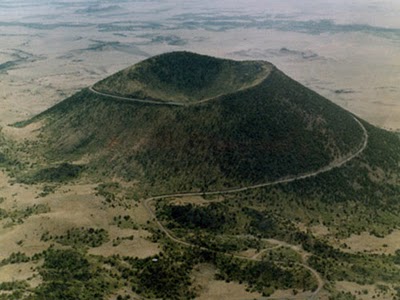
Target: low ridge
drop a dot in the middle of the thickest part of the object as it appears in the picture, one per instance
(253, 133)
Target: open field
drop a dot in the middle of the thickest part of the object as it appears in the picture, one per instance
(26, 229)
(214, 290)
(372, 244)
(367, 292)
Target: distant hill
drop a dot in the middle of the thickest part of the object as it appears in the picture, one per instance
(257, 125)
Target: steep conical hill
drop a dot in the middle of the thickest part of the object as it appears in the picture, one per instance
(273, 129)
(184, 77)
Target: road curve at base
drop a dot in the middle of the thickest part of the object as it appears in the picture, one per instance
(331, 166)
(317, 276)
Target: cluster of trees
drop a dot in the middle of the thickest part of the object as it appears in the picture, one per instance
(224, 243)
(125, 222)
(18, 216)
(61, 173)
(80, 237)
(15, 258)
(108, 191)
(213, 217)
(265, 276)
(68, 274)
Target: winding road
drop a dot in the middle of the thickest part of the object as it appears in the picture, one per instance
(304, 255)
(329, 167)
(334, 164)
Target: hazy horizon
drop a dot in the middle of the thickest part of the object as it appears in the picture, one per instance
(347, 51)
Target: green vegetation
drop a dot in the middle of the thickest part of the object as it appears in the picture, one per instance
(68, 274)
(15, 258)
(265, 276)
(47, 190)
(13, 290)
(274, 129)
(125, 222)
(61, 173)
(80, 237)
(283, 255)
(167, 276)
(108, 191)
(360, 196)
(10, 153)
(262, 128)
(13, 285)
(225, 243)
(18, 216)
(183, 77)
(119, 240)
(213, 217)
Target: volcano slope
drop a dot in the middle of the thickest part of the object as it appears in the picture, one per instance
(269, 186)
(230, 124)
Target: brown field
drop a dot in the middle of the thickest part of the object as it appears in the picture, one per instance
(366, 242)
(366, 292)
(211, 289)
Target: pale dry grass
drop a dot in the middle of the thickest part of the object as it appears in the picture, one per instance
(365, 292)
(248, 253)
(20, 272)
(366, 242)
(71, 206)
(29, 132)
(320, 230)
(210, 289)
(139, 247)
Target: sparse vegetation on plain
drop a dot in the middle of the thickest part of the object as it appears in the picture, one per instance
(79, 237)
(14, 217)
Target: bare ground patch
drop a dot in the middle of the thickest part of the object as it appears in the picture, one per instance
(367, 292)
(127, 242)
(29, 132)
(366, 242)
(20, 272)
(210, 289)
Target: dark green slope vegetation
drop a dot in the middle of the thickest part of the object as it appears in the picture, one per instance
(362, 196)
(274, 129)
(184, 77)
